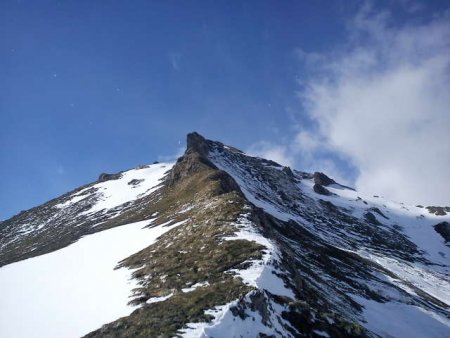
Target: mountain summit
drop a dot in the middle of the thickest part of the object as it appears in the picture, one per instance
(223, 244)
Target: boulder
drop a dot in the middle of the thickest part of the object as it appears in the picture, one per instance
(107, 177)
(443, 229)
(322, 179)
(135, 182)
(438, 211)
(321, 190)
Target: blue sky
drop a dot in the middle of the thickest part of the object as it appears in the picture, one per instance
(101, 86)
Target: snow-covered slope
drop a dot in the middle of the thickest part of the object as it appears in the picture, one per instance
(88, 209)
(410, 284)
(248, 248)
(72, 291)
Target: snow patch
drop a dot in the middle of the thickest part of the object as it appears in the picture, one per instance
(76, 198)
(39, 289)
(113, 193)
(321, 333)
(226, 325)
(261, 273)
(159, 299)
(195, 286)
(394, 319)
(428, 281)
(117, 192)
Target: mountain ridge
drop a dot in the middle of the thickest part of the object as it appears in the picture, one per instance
(270, 250)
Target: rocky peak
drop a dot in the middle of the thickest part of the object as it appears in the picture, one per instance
(195, 161)
(197, 143)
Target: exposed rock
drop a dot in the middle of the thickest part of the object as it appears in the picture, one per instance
(378, 211)
(190, 163)
(371, 218)
(321, 190)
(268, 162)
(289, 173)
(330, 207)
(134, 182)
(197, 143)
(194, 159)
(108, 177)
(227, 183)
(443, 229)
(438, 211)
(322, 179)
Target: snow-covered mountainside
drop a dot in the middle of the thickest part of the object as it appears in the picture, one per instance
(91, 208)
(222, 244)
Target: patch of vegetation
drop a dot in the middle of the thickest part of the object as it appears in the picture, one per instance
(198, 251)
(164, 319)
(188, 255)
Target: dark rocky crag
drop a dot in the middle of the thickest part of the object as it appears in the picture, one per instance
(443, 229)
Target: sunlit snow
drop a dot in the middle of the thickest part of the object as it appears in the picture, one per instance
(414, 221)
(115, 192)
(72, 291)
(393, 319)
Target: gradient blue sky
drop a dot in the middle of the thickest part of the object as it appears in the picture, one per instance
(101, 86)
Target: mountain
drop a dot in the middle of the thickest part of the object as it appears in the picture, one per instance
(223, 244)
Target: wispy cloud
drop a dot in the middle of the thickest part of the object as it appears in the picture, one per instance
(175, 59)
(383, 102)
(278, 153)
(172, 157)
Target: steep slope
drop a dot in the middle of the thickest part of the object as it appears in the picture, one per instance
(74, 290)
(86, 210)
(250, 248)
(371, 260)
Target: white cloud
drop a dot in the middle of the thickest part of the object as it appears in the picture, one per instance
(277, 153)
(172, 157)
(383, 102)
(308, 142)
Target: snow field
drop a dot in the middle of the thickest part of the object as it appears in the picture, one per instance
(113, 193)
(72, 291)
